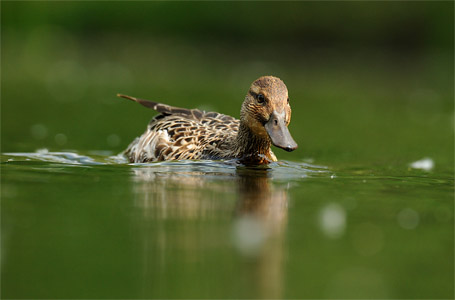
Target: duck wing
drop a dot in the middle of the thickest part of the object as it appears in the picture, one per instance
(180, 133)
(167, 110)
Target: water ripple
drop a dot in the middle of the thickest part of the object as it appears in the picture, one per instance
(282, 170)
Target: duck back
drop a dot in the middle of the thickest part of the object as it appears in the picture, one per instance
(180, 133)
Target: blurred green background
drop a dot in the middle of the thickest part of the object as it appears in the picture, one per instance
(369, 82)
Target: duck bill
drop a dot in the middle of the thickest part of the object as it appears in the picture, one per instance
(279, 133)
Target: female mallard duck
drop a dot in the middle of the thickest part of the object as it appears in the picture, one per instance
(179, 133)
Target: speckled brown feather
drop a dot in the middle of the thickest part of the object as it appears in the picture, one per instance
(179, 133)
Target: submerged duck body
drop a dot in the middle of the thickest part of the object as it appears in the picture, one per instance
(179, 133)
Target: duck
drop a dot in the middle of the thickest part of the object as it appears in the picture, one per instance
(192, 134)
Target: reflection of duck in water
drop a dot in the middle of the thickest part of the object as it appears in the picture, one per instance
(260, 199)
(206, 215)
(182, 192)
(260, 225)
(183, 196)
(178, 133)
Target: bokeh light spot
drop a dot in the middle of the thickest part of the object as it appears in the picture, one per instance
(248, 235)
(60, 139)
(38, 131)
(408, 218)
(332, 220)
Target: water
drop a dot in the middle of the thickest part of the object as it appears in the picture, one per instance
(92, 226)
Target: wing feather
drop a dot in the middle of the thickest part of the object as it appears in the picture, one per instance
(166, 110)
(179, 133)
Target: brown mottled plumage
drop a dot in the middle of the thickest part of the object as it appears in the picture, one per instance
(179, 133)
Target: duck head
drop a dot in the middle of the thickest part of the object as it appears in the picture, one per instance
(267, 113)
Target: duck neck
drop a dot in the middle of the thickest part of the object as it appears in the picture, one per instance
(252, 146)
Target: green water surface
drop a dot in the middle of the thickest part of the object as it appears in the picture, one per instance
(94, 227)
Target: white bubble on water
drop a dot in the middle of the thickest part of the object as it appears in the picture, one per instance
(332, 220)
(408, 218)
(42, 151)
(426, 164)
(249, 235)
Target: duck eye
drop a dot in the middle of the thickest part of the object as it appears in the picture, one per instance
(288, 100)
(261, 98)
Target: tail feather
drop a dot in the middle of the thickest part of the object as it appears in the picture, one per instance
(146, 103)
(165, 109)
